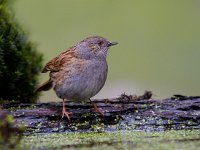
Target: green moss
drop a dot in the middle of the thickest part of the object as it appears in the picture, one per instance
(183, 139)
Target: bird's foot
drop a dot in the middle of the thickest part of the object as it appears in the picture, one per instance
(99, 111)
(66, 114)
(96, 109)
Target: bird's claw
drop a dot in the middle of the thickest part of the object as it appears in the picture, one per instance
(66, 114)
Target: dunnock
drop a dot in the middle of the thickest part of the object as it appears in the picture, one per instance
(80, 72)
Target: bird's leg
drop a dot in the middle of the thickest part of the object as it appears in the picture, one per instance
(64, 112)
(96, 109)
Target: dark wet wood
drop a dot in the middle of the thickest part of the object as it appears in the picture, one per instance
(127, 111)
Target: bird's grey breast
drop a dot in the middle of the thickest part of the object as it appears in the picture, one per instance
(85, 83)
(97, 74)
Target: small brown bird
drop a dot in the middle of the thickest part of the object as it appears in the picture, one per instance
(80, 72)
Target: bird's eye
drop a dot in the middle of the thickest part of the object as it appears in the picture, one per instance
(100, 43)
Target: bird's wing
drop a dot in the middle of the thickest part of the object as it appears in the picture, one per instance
(56, 63)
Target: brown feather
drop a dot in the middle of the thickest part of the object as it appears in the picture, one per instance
(45, 86)
(56, 63)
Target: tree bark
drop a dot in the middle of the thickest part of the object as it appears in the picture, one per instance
(125, 112)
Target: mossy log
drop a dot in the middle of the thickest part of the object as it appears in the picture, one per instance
(124, 112)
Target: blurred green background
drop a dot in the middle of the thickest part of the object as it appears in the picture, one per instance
(159, 40)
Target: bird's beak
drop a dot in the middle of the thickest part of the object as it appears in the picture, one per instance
(112, 43)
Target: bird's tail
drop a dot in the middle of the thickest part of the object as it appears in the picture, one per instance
(45, 86)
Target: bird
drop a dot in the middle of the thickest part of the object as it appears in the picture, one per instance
(79, 72)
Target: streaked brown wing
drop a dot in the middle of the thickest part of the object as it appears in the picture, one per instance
(56, 63)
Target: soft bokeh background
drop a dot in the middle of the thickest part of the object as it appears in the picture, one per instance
(159, 40)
